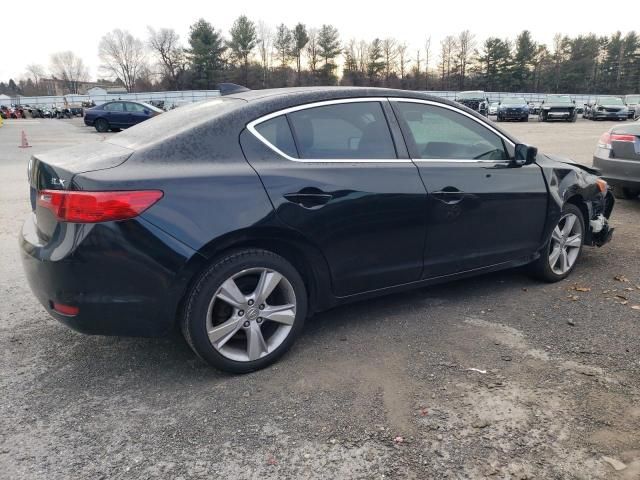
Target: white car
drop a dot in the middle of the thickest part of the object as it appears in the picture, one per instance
(493, 108)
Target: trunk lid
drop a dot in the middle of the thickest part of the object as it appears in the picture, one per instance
(56, 170)
(626, 150)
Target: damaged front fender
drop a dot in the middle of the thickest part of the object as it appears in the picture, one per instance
(569, 182)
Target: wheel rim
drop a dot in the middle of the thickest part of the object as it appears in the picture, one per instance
(566, 240)
(251, 314)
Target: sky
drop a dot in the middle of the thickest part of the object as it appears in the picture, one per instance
(31, 35)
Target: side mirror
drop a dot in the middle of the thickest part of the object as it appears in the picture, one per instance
(524, 155)
(499, 103)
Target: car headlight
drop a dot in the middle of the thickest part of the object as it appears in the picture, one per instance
(546, 108)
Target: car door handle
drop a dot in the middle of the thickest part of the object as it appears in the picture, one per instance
(449, 195)
(309, 200)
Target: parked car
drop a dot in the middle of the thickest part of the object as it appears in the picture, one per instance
(238, 217)
(633, 105)
(493, 108)
(617, 156)
(558, 107)
(475, 100)
(607, 108)
(119, 114)
(579, 109)
(513, 108)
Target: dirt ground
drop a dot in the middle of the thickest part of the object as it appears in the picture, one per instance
(493, 377)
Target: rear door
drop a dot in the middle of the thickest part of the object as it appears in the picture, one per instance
(136, 113)
(339, 174)
(482, 211)
(116, 114)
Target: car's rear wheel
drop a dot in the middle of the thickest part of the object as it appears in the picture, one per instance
(101, 125)
(245, 311)
(563, 249)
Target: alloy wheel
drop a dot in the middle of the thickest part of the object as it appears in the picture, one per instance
(251, 314)
(566, 241)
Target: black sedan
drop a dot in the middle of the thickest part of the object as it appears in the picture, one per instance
(118, 115)
(558, 107)
(263, 207)
(617, 156)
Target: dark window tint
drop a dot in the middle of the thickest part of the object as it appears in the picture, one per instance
(437, 132)
(114, 107)
(135, 107)
(355, 130)
(276, 131)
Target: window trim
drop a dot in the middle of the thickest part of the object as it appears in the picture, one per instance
(251, 127)
(457, 110)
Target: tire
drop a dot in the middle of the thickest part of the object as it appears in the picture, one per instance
(226, 298)
(526, 119)
(101, 125)
(625, 192)
(548, 269)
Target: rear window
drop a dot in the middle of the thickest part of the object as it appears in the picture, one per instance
(174, 122)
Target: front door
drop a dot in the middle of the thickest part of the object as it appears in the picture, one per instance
(482, 210)
(333, 173)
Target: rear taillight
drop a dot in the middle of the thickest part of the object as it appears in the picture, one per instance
(607, 138)
(94, 207)
(68, 310)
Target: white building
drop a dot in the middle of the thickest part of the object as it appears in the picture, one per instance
(5, 100)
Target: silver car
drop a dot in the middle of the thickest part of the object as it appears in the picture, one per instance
(617, 156)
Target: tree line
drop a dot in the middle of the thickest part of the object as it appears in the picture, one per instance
(257, 55)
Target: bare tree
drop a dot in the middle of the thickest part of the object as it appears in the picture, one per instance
(362, 53)
(313, 51)
(427, 57)
(265, 41)
(35, 72)
(403, 61)
(123, 57)
(447, 46)
(390, 54)
(165, 43)
(465, 43)
(69, 68)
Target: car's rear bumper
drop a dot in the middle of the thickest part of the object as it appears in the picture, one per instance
(126, 278)
(618, 172)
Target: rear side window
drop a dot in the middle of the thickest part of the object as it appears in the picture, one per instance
(357, 130)
(134, 107)
(114, 107)
(277, 132)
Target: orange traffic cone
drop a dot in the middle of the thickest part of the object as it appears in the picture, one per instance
(24, 143)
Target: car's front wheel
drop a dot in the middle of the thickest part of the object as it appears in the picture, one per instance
(245, 311)
(101, 125)
(563, 249)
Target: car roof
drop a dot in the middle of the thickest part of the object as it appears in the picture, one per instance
(242, 107)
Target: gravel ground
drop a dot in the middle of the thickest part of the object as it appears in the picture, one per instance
(493, 377)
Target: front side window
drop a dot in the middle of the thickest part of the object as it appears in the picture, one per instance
(357, 130)
(439, 133)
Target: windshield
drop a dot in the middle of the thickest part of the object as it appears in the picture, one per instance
(558, 99)
(632, 98)
(513, 101)
(470, 95)
(610, 101)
